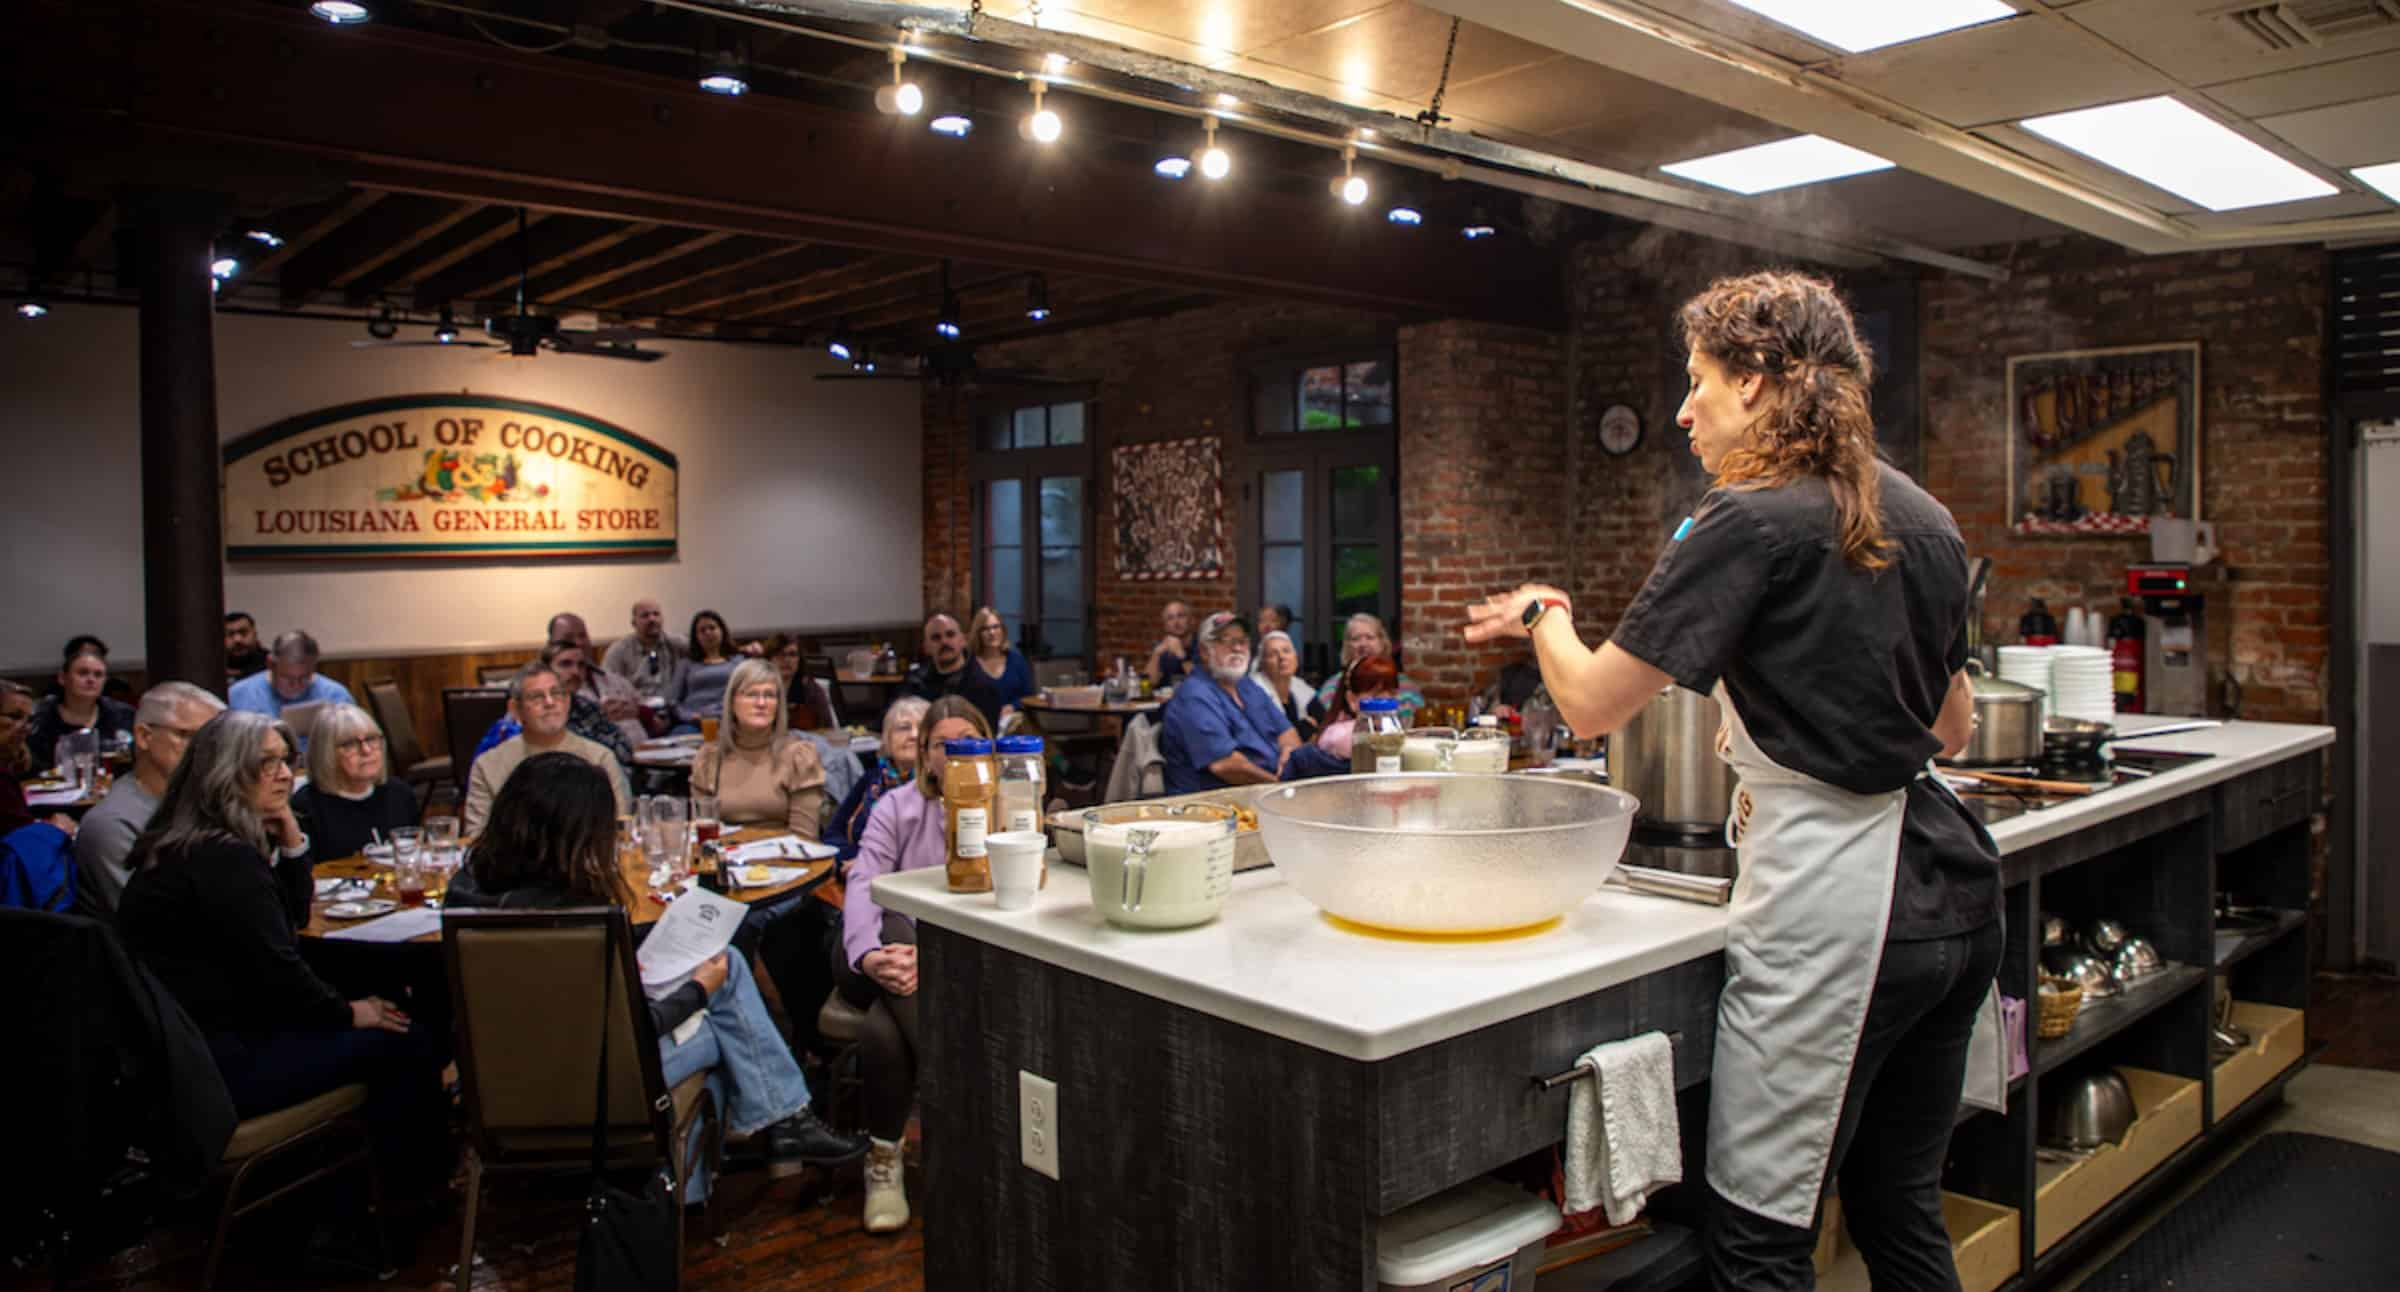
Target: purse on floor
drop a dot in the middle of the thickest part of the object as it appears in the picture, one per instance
(628, 1242)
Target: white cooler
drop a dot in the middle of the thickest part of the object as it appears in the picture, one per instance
(1484, 1236)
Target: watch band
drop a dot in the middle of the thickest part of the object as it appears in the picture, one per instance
(1534, 610)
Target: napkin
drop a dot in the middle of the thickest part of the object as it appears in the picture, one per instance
(783, 847)
(399, 926)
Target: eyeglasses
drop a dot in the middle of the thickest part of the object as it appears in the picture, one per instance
(759, 693)
(360, 744)
(273, 763)
(542, 697)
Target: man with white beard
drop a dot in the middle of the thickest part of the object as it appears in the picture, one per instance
(1222, 728)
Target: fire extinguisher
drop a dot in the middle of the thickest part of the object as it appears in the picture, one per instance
(2125, 656)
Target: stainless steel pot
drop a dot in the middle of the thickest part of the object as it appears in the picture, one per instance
(2008, 722)
(1667, 758)
(2095, 1110)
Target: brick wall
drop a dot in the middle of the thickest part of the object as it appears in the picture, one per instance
(2259, 317)
(1485, 487)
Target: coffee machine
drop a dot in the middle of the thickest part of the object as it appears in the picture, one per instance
(2187, 614)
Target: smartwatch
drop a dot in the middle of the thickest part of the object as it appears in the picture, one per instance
(1535, 609)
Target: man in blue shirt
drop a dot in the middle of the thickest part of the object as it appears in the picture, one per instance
(1222, 728)
(290, 678)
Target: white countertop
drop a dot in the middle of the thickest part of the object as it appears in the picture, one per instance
(1274, 963)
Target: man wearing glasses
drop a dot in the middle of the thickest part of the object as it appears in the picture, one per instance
(171, 713)
(539, 699)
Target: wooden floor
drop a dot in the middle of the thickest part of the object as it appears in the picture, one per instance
(804, 1232)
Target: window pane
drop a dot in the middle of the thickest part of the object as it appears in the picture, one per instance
(1062, 638)
(1062, 511)
(1004, 582)
(1029, 427)
(1280, 514)
(1357, 578)
(1358, 502)
(1285, 571)
(1367, 388)
(1066, 423)
(993, 431)
(1004, 513)
(1015, 623)
(1321, 398)
(1062, 583)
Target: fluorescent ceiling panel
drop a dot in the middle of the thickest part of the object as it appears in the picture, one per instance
(1861, 25)
(1763, 168)
(2384, 179)
(2163, 143)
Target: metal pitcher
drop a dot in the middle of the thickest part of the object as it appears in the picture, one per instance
(1667, 758)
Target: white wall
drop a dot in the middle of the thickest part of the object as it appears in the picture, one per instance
(800, 500)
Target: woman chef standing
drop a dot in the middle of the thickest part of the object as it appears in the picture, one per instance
(1827, 594)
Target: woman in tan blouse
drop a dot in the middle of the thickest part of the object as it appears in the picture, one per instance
(760, 772)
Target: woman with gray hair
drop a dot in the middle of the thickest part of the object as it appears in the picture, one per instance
(350, 798)
(221, 881)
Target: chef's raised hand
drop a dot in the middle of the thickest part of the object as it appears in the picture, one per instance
(1503, 614)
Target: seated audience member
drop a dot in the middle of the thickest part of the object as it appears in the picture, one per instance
(551, 841)
(584, 715)
(947, 669)
(37, 868)
(538, 699)
(650, 659)
(894, 765)
(700, 691)
(1276, 618)
(1369, 678)
(761, 771)
(291, 678)
(79, 704)
(1516, 686)
(811, 707)
(243, 654)
(618, 701)
(221, 880)
(350, 799)
(170, 714)
(1277, 668)
(1170, 658)
(1364, 636)
(877, 969)
(1223, 728)
(1003, 666)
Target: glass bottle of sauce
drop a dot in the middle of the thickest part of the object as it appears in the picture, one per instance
(1376, 741)
(970, 793)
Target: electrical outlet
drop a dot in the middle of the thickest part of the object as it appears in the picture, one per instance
(1037, 1122)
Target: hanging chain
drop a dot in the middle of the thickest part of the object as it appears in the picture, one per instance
(1434, 111)
(1432, 117)
(974, 12)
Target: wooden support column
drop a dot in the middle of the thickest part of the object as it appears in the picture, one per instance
(183, 562)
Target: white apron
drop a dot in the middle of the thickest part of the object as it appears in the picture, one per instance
(1810, 906)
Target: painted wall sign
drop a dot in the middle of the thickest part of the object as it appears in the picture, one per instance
(449, 476)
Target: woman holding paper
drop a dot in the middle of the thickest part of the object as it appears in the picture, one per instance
(551, 841)
(759, 771)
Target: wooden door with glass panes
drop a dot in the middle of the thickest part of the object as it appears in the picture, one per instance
(1324, 500)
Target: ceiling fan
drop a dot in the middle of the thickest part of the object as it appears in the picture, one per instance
(525, 334)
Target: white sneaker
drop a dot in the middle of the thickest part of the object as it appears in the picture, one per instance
(887, 1197)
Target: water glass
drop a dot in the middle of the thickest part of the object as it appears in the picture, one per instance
(1541, 734)
(77, 752)
(408, 846)
(441, 831)
(706, 825)
(441, 862)
(663, 840)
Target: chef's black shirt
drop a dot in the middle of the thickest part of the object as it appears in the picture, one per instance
(1838, 672)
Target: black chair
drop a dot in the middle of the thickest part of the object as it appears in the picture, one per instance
(406, 756)
(468, 712)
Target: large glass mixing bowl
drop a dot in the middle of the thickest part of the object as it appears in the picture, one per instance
(1445, 854)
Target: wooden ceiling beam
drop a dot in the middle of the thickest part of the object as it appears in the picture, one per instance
(392, 221)
(735, 260)
(392, 251)
(877, 271)
(494, 266)
(685, 244)
(505, 225)
(349, 208)
(549, 264)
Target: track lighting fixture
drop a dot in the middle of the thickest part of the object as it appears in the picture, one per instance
(901, 98)
(1037, 297)
(446, 331)
(223, 267)
(1475, 232)
(1042, 126)
(1215, 162)
(864, 363)
(725, 83)
(32, 307)
(1405, 214)
(1172, 167)
(1352, 186)
(946, 323)
(341, 13)
(385, 325)
(952, 124)
(267, 238)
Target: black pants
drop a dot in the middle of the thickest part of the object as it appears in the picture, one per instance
(791, 948)
(1894, 1129)
(887, 1049)
(406, 1113)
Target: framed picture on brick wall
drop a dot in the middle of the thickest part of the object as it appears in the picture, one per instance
(1169, 508)
(2102, 441)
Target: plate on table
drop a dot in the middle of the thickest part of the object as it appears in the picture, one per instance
(362, 910)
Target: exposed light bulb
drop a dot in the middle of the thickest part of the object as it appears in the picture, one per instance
(1354, 191)
(1351, 187)
(341, 13)
(901, 98)
(1215, 162)
(1043, 126)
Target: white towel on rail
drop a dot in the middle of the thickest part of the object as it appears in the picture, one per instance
(1623, 1141)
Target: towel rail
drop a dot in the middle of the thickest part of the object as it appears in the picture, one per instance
(1579, 1072)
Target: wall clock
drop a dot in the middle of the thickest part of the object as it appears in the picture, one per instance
(1620, 430)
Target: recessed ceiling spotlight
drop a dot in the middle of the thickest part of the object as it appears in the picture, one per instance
(224, 267)
(341, 13)
(32, 307)
(267, 238)
(2161, 141)
(839, 347)
(1042, 126)
(725, 83)
(1215, 162)
(1474, 232)
(1405, 214)
(951, 124)
(1350, 186)
(901, 98)
(1172, 167)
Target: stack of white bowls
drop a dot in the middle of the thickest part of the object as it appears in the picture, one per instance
(2028, 666)
(2082, 684)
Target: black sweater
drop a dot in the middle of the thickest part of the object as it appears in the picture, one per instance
(215, 925)
(666, 1014)
(340, 827)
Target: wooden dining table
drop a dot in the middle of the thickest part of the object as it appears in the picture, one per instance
(1037, 703)
(645, 910)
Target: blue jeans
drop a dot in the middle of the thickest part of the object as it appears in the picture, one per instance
(750, 1071)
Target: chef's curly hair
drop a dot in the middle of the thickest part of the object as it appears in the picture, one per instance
(1792, 329)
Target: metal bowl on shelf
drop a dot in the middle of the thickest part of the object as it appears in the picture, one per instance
(2105, 936)
(2135, 960)
(2094, 1110)
(2085, 971)
(2055, 932)
(1425, 852)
